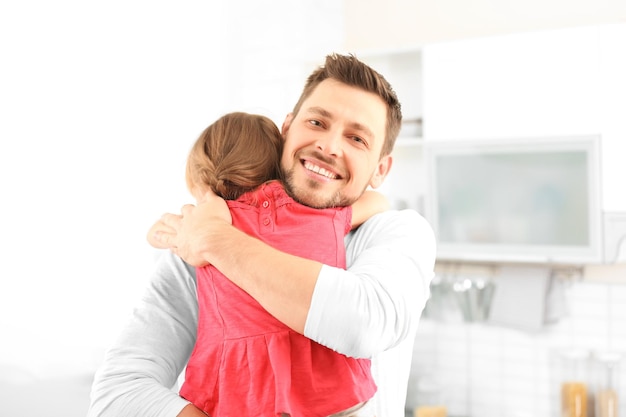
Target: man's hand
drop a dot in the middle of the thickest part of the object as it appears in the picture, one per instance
(189, 234)
(191, 411)
(163, 231)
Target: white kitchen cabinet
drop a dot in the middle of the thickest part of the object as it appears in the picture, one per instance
(521, 85)
(537, 84)
(557, 83)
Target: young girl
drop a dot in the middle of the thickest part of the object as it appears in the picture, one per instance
(245, 362)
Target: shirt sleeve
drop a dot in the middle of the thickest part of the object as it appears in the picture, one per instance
(377, 302)
(140, 371)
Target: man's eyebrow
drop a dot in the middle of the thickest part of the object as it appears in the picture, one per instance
(354, 125)
(319, 111)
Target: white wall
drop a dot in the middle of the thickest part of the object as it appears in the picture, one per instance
(99, 104)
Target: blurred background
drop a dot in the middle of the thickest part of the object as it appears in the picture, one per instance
(99, 104)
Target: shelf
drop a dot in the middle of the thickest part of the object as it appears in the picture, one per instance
(409, 141)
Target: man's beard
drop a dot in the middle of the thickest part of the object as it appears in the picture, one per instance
(310, 198)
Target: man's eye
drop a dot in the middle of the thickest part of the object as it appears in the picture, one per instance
(315, 122)
(358, 139)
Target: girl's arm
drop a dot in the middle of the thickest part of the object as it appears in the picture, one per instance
(370, 203)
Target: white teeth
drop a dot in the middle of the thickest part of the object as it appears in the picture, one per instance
(318, 170)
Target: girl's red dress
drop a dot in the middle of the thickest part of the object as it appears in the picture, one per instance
(246, 362)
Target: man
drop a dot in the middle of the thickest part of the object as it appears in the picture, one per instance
(338, 142)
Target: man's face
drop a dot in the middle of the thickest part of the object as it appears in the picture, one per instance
(333, 145)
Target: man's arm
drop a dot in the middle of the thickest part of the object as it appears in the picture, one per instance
(282, 283)
(375, 302)
(144, 363)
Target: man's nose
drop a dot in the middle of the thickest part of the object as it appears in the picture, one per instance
(330, 143)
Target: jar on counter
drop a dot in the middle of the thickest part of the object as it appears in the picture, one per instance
(574, 380)
(430, 399)
(606, 384)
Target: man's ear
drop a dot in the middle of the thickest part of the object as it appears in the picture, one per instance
(286, 124)
(384, 165)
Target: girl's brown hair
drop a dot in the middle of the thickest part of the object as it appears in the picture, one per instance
(235, 154)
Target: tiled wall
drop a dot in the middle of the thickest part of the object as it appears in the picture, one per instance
(492, 371)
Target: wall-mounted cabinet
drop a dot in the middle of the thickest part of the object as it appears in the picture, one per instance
(566, 82)
(538, 84)
(553, 83)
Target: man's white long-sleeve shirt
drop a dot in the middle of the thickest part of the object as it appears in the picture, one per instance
(371, 310)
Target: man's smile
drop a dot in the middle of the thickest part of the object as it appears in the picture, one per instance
(310, 166)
